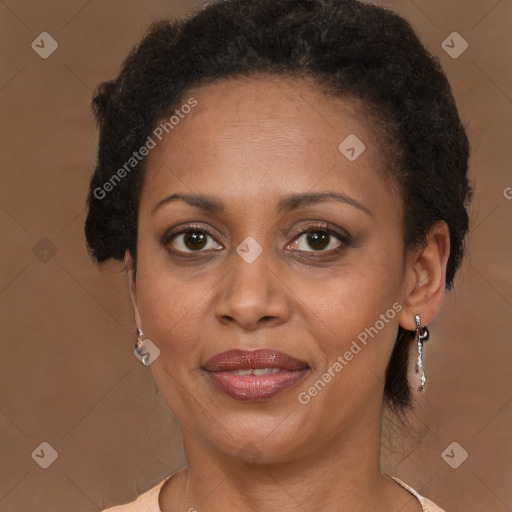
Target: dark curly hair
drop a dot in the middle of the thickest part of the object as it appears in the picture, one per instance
(350, 49)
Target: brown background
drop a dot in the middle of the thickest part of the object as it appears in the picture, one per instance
(67, 372)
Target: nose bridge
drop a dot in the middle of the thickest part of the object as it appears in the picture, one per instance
(252, 290)
(252, 275)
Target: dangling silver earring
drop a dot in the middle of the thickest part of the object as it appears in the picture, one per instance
(421, 335)
(140, 347)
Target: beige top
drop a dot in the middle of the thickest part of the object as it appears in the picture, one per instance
(148, 502)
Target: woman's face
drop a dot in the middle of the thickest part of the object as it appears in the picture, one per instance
(269, 275)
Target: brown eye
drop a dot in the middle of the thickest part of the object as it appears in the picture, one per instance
(193, 240)
(319, 239)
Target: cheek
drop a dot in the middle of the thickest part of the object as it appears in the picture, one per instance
(168, 306)
(356, 311)
(171, 316)
(359, 292)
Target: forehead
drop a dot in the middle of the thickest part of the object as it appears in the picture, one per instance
(263, 135)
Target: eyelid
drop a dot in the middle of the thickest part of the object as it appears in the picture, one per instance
(343, 234)
(180, 230)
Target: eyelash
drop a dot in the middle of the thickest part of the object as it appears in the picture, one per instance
(345, 239)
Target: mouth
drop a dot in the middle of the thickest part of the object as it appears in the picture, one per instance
(254, 375)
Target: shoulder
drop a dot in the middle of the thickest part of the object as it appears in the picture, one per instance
(426, 504)
(147, 502)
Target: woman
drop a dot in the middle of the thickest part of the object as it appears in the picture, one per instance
(286, 182)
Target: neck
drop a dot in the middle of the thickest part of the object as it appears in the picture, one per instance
(340, 474)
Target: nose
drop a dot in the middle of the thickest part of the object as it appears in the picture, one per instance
(253, 295)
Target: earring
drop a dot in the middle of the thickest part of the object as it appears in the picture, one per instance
(140, 347)
(421, 335)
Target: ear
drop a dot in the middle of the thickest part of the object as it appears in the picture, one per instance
(425, 278)
(130, 271)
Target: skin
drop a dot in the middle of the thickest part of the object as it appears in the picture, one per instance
(248, 143)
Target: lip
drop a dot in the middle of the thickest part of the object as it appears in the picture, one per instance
(221, 366)
(261, 358)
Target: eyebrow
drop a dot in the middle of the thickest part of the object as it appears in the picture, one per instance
(285, 204)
